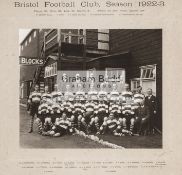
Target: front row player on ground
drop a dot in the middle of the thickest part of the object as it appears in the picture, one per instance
(61, 127)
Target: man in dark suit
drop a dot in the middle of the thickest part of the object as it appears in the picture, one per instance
(151, 103)
(141, 118)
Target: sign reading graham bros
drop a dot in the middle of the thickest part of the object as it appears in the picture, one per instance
(85, 80)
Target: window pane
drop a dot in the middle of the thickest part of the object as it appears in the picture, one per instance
(147, 73)
(143, 73)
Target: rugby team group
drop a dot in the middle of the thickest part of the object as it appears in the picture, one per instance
(94, 112)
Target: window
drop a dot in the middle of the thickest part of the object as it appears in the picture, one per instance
(115, 74)
(26, 43)
(80, 31)
(21, 47)
(81, 40)
(51, 70)
(148, 72)
(34, 34)
(135, 82)
(30, 39)
(66, 39)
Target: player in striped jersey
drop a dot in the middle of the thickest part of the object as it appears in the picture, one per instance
(68, 94)
(43, 118)
(101, 114)
(127, 95)
(111, 125)
(90, 107)
(57, 96)
(92, 93)
(34, 102)
(128, 116)
(80, 93)
(102, 94)
(62, 126)
(68, 108)
(78, 112)
(55, 112)
(47, 95)
(138, 97)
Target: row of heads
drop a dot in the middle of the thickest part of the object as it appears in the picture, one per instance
(102, 87)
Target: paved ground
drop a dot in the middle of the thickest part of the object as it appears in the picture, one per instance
(34, 140)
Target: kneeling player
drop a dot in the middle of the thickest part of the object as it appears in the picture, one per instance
(101, 114)
(43, 113)
(55, 112)
(78, 112)
(62, 127)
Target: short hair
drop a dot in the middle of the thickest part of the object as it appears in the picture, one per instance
(139, 86)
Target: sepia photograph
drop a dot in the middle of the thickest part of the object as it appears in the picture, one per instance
(90, 88)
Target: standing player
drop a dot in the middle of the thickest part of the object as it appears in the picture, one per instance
(34, 102)
(47, 95)
(57, 96)
(127, 95)
(138, 97)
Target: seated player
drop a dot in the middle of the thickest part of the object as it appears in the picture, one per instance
(78, 112)
(68, 108)
(89, 114)
(115, 106)
(101, 114)
(43, 115)
(112, 126)
(55, 112)
(62, 127)
(128, 117)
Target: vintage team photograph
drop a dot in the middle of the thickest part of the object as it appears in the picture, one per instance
(90, 88)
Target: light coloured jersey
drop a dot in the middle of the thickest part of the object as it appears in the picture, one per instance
(112, 123)
(44, 108)
(127, 96)
(56, 96)
(80, 95)
(67, 106)
(66, 124)
(102, 95)
(138, 97)
(35, 97)
(68, 95)
(102, 108)
(78, 108)
(114, 95)
(90, 107)
(92, 95)
(128, 109)
(115, 108)
(55, 108)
